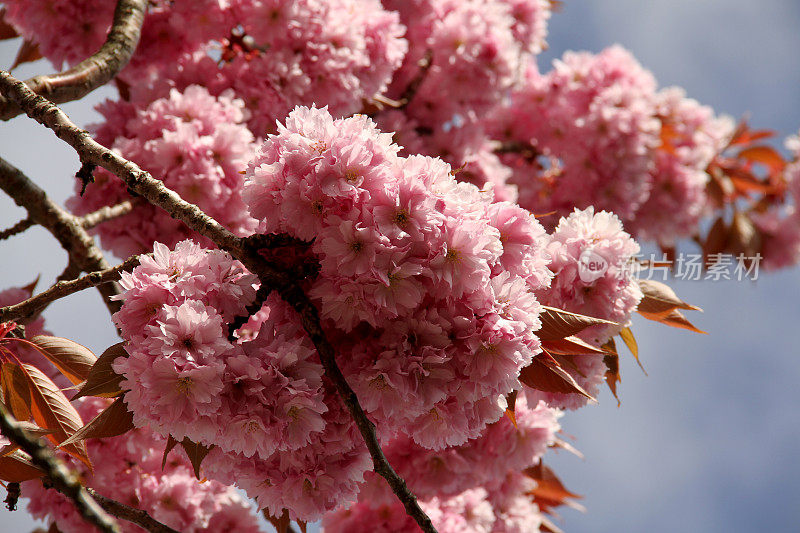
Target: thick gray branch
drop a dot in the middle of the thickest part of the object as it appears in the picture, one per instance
(94, 71)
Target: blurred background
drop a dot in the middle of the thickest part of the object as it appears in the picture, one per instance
(709, 441)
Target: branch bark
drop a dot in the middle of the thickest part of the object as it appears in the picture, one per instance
(154, 191)
(35, 304)
(94, 71)
(103, 214)
(17, 228)
(64, 226)
(63, 480)
(130, 514)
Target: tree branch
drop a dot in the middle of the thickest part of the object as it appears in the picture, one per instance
(61, 224)
(138, 180)
(94, 71)
(103, 214)
(35, 304)
(130, 514)
(141, 182)
(311, 323)
(63, 480)
(19, 227)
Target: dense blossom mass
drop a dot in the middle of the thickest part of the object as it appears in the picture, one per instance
(128, 469)
(441, 194)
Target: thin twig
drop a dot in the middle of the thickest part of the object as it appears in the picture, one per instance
(19, 227)
(138, 180)
(130, 514)
(61, 224)
(94, 71)
(141, 182)
(35, 304)
(311, 323)
(64, 481)
(103, 214)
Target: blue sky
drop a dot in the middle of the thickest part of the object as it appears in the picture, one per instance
(708, 442)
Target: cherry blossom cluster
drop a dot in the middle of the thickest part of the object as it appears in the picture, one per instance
(424, 283)
(259, 401)
(780, 224)
(463, 58)
(51, 24)
(128, 469)
(595, 131)
(503, 447)
(274, 54)
(476, 52)
(196, 143)
(504, 506)
(592, 259)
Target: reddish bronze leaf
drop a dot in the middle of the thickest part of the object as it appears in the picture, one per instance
(17, 467)
(196, 453)
(744, 238)
(28, 52)
(112, 421)
(550, 491)
(765, 155)
(7, 31)
(559, 324)
(612, 375)
(16, 392)
(72, 359)
(571, 346)
(52, 410)
(677, 320)
(630, 341)
(659, 299)
(545, 374)
(511, 400)
(171, 443)
(717, 238)
(102, 381)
